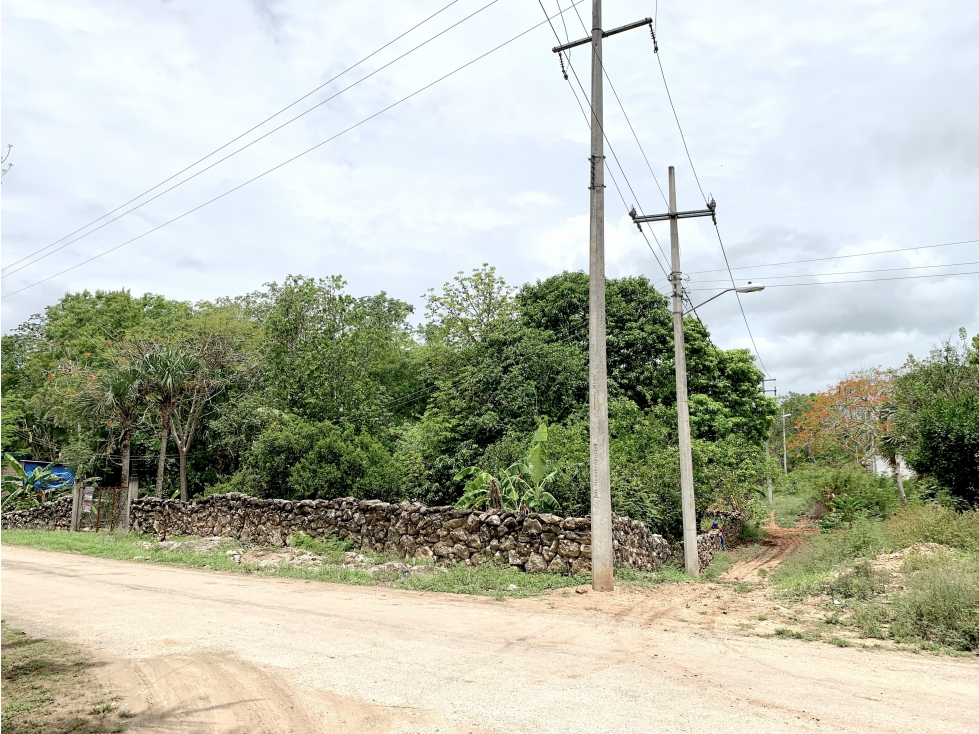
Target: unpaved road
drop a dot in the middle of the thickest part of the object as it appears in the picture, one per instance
(200, 651)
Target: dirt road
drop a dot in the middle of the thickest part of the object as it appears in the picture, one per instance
(199, 651)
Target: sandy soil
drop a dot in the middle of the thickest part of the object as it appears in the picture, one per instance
(201, 651)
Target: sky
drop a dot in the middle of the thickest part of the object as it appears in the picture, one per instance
(822, 129)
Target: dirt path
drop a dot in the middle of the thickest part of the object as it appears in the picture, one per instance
(780, 544)
(199, 651)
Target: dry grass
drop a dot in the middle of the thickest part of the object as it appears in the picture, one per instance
(48, 688)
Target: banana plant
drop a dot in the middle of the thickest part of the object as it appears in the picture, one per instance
(520, 484)
(26, 488)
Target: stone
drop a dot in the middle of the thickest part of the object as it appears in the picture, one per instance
(442, 549)
(535, 564)
(581, 567)
(531, 525)
(569, 548)
(513, 559)
(558, 565)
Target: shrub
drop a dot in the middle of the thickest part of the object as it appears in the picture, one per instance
(295, 459)
(859, 582)
(933, 524)
(869, 619)
(940, 606)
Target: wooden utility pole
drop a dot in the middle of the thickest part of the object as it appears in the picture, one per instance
(691, 556)
(602, 551)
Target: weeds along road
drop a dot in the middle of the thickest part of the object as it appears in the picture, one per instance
(199, 651)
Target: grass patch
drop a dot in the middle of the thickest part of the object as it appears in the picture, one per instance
(48, 689)
(933, 524)
(941, 605)
(721, 562)
(662, 575)
(788, 507)
(487, 579)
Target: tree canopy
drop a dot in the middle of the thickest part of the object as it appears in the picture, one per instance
(305, 390)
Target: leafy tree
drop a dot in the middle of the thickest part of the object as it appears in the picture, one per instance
(329, 354)
(295, 459)
(933, 415)
(468, 307)
(114, 396)
(847, 419)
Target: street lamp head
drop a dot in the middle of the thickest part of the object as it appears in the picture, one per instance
(750, 288)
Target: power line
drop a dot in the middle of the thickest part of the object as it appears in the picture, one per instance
(720, 241)
(608, 142)
(853, 272)
(288, 161)
(239, 150)
(835, 257)
(288, 106)
(858, 280)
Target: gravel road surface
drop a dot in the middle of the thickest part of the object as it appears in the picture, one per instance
(200, 651)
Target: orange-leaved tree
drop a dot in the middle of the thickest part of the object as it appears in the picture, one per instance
(849, 420)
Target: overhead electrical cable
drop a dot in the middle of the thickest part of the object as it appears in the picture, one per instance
(239, 150)
(239, 137)
(720, 240)
(611, 149)
(290, 160)
(859, 280)
(850, 272)
(834, 257)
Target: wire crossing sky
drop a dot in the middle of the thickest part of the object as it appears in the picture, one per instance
(823, 130)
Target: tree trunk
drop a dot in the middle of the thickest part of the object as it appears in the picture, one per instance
(900, 480)
(183, 448)
(161, 465)
(127, 438)
(183, 473)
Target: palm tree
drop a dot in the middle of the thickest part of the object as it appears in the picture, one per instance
(166, 371)
(116, 397)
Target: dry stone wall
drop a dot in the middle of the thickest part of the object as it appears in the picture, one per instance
(47, 516)
(534, 542)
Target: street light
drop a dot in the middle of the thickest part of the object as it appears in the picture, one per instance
(691, 559)
(785, 454)
(750, 288)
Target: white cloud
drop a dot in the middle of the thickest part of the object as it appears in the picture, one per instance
(822, 128)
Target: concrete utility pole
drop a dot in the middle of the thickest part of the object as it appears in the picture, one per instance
(602, 552)
(785, 452)
(691, 556)
(771, 496)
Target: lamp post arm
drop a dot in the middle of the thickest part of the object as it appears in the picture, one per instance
(716, 295)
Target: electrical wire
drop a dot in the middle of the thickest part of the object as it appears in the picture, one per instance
(608, 143)
(859, 280)
(851, 272)
(239, 137)
(835, 257)
(286, 162)
(720, 240)
(239, 150)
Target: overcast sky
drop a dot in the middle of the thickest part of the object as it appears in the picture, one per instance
(821, 128)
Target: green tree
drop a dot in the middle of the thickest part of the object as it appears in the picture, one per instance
(468, 307)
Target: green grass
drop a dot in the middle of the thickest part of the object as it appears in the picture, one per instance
(488, 579)
(788, 507)
(662, 575)
(48, 689)
(933, 524)
(934, 603)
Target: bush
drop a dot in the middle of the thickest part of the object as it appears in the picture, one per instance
(295, 459)
(933, 524)
(940, 606)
